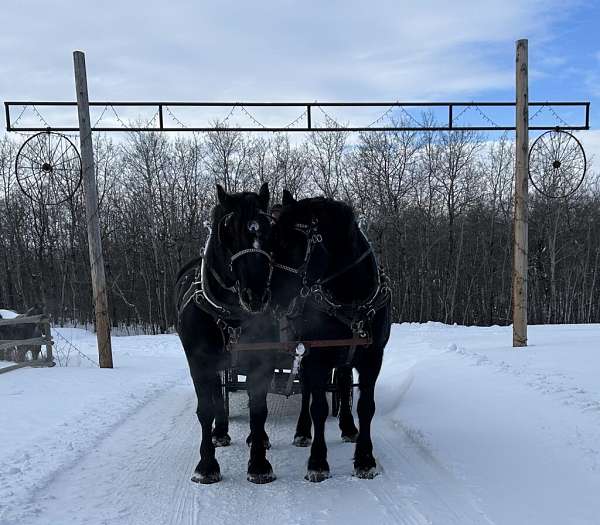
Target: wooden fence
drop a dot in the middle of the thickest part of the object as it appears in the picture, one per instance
(31, 344)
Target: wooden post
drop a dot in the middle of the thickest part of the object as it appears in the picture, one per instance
(520, 262)
(48, 335)
(91, 208)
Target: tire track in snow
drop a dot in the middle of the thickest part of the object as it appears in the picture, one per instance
(439, 497)
(140, 475)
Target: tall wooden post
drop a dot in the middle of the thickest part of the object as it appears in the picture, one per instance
(520, 261)
(91, 208)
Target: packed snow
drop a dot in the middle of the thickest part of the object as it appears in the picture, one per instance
(468, 431)
(7, 314)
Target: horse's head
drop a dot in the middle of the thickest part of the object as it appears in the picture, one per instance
(243, 229)
(311, 235)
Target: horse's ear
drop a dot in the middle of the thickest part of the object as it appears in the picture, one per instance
(287, 198)
(223, 196)
(263, 194)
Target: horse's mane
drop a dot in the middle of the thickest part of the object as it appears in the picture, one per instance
(334, 214)
(186, 267)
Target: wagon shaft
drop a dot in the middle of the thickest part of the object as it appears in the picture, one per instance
(290, 346)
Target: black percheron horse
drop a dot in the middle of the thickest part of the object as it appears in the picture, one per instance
(222, 297)
(328, 284)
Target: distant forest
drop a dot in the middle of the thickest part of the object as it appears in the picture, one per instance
(437, 207)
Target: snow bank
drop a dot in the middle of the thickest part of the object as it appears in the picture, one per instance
(7, 314)
(468, 430)
(51, 417)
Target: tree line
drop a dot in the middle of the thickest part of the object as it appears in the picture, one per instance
(437, 207)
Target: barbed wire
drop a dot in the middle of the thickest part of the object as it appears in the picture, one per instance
(71, 346)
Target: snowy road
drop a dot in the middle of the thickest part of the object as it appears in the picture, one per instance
(142, 476)
(467, 431)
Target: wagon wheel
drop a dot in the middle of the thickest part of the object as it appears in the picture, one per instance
(48, 168)
(557, 164)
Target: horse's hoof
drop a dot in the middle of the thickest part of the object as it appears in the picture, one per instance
(221, 441)
(206, 479)
(351, 438)
(302, 441)
(316, 476)
(365, 473)
(261, 479)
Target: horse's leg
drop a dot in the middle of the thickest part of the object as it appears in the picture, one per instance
(302, 437)
(316, 378)
(346, 421)
(220, 434)
(205, 382)
(257, 383)
(364, 462)
(266, 440)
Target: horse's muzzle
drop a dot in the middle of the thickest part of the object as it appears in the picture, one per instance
(253, 302)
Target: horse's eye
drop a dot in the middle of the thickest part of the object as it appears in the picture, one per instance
(253, 226)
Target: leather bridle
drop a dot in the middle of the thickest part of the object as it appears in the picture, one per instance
(315, 239)
(236, 256)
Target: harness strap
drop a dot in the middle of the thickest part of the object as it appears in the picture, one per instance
(219, 280)
(287, 268)
(365, 254)
(247, 251)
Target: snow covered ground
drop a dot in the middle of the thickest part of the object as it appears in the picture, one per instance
(468, 431)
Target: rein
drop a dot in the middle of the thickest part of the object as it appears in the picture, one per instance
(199, 288)
(238, 254)
(314, 238)
(357, 317)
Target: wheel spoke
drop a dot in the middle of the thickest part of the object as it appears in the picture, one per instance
(557, 164)
(48, 168)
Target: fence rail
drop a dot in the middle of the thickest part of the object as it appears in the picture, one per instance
(43, 321)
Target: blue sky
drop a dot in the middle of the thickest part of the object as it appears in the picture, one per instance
(302, 50)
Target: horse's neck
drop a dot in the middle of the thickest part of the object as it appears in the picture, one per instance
(358, 282)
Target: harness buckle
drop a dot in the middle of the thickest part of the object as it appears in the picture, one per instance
(357, 328)
(234, 334)
(304, 292)
(316, 238)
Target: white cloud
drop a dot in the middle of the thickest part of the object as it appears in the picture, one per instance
(590, 141)
(267, 50)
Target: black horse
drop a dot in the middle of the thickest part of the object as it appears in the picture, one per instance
(329, 286)
(222, 297)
